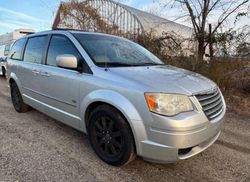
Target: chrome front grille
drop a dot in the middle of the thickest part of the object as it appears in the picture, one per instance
(211, 103)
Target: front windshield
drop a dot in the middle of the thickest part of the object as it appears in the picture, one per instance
(113, 51)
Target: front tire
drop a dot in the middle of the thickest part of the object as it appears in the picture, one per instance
(17, 99)
(110, 136)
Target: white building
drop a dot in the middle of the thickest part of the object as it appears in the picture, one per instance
(11, 37)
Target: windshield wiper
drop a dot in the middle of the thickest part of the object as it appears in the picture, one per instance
(148, 64)
(113, 64)
(120, 64)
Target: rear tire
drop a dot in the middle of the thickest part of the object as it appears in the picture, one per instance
(4, 71)
(110, 136)
(17, 99)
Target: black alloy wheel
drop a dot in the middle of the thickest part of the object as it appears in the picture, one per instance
(17, 99)
(110, 136)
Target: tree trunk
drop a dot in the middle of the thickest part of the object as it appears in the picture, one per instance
(211, 50)
(200, 54)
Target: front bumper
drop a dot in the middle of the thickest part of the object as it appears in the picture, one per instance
(168, 146)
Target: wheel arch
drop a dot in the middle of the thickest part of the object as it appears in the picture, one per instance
(13, 78)
(120, 103)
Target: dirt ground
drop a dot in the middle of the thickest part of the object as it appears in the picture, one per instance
(35, 147)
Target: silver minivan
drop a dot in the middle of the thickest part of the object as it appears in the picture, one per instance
(127, 100)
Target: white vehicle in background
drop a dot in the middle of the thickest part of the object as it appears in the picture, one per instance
(3, 62)
(4, 50)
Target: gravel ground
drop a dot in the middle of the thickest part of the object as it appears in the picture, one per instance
(35, 147)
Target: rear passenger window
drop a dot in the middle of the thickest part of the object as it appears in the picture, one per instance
(17, 48)
(6, 50)
(35, 49)
(60, 45)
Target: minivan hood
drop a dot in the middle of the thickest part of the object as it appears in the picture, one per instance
(166, 79)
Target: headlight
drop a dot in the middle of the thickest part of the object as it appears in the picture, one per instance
(168, 104)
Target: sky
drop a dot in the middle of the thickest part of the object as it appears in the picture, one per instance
(35, 14)
(39, 14)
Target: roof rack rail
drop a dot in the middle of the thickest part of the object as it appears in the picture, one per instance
(67, 29)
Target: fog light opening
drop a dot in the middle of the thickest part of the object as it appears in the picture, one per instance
(184, 151)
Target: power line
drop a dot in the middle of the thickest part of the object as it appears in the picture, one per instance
(49, 7)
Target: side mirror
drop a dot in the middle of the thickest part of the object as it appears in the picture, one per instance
(67, 61)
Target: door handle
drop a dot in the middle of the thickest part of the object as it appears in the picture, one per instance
(35, 71)
(46, 74)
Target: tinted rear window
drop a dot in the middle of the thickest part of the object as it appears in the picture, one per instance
(7, 49)
(16, 50)
(35, 49)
